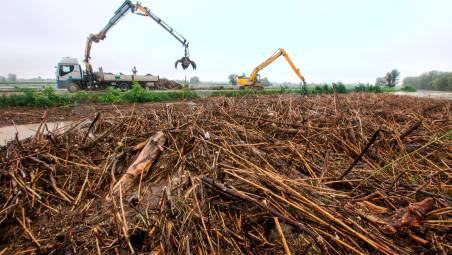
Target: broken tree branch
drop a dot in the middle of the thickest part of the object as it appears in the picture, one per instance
(357, 159)
(147, 156)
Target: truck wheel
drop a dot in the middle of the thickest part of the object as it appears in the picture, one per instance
(73, 87)
(124, 86)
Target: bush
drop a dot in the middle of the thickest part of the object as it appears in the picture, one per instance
(283, 89)
(387, 89)
(81, 95)
(49, 92)
(327, 89)
(137, 94)
(42, 100)
(368, 88)
(409, 89)
(321, 89)
(318, 90)
(360, 88)
(111, 96)
(49, 97)
(31, 97)
(340, 88)
(26, 99)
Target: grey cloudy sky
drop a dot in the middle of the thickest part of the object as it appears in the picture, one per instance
(330, 40)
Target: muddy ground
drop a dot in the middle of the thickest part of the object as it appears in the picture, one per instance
(28, 115)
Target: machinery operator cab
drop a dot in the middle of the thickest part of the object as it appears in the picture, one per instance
(67, 71)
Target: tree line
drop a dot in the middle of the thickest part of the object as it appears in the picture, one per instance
(433, 80)
(11, 78)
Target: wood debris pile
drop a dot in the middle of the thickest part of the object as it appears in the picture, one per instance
(360, 173)
(165, 84)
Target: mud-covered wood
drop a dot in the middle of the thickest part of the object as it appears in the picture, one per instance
(145, 159)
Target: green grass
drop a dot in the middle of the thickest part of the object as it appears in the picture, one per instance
(31, 97)
(48, 96)
(409, 89)
(369, 88)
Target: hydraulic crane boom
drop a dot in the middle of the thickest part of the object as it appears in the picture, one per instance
(139, 10)
(252, 80)
(146, 12)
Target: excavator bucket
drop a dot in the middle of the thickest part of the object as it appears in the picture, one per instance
(185, 62)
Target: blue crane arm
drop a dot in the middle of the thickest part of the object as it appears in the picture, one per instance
(165, 26)
(143, 11)
(119, 14)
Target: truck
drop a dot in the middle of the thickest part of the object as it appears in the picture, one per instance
(71, 76)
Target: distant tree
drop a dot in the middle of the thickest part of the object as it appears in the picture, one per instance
(232, 79)
(433, 80)
(449, 81)
(441, 83)
(392, 78)
(318, 89)
(12, 77)
(327, 89)
(195, 80)
(2, 79)
(380, 81)
(340, 88)
(414, 82)
(265, 82)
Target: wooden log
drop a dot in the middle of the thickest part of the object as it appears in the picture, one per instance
(357, 159)
(410, 130)
(145, 159)
(407, 132)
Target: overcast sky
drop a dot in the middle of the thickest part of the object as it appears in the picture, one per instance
(330, 40)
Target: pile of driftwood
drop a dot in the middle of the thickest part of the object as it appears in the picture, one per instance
(165, 84)
(361, 173)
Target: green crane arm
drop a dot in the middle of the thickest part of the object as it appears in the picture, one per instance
(119, 14)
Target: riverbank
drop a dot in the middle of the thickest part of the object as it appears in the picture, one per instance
(427, 94)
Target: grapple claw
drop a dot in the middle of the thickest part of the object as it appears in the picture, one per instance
(185, 62)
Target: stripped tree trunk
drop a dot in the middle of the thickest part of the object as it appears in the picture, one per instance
(147, 157)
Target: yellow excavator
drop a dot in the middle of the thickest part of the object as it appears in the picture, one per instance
(254, 80)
